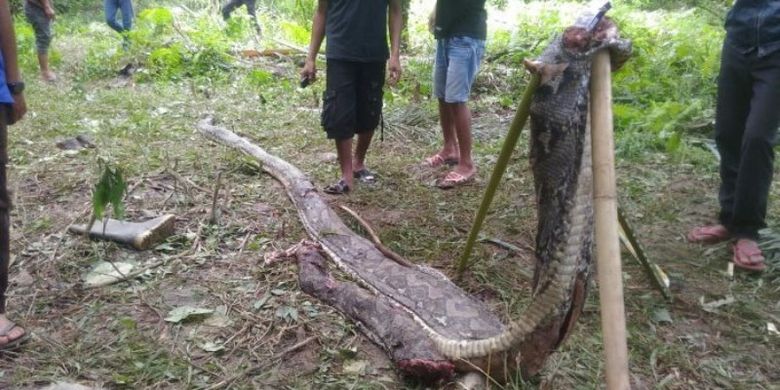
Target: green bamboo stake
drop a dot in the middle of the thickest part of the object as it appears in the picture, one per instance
(521, 116)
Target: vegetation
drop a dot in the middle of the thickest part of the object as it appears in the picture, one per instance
(188, 62)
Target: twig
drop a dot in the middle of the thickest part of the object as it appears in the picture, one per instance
(296, 346)
(214, 220)
(375, 239)
(178, 177)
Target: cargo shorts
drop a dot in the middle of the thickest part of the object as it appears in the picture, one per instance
(352, 101)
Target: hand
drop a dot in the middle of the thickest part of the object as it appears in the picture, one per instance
(394, 70)
(49, 12)
(19, 107)
(309, 71)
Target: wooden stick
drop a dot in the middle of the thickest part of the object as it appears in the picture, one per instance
(657, 275)
(495, 178)
(610, 276)
(375, 239)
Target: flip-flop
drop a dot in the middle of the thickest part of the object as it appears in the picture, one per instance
(748, 256)
(437, 160)
(15, 343)
(454, 179)
(339, 188)
(364, 176)
(711, 234)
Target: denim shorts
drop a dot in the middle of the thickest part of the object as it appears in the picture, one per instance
(457, 63)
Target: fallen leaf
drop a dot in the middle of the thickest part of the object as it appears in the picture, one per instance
(182, 313)
(211, 346)
(772, 329)
(219, 319)
(356, 367)
(105, 273)
(711, 306)
(662, 316)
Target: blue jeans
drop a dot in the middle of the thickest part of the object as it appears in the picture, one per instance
(457, 63)
(126, 6)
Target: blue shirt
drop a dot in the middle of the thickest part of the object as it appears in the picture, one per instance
(5, 94)
(754, 25)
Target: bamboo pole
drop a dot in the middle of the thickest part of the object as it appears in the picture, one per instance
(521, 116)
(613, 319)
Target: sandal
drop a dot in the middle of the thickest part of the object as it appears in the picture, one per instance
(454, 179)
(364, 176)
(711, 234)
(437, 160)
(748, 256)
(12, 344)
(339, 188)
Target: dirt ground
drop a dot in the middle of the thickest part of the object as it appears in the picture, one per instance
(262, 331)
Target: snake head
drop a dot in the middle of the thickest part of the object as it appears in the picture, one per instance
(550, 74)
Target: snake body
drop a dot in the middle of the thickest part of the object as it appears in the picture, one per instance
(462, 328)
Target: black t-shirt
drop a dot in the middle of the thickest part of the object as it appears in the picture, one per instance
(357, 30)
(456, 18)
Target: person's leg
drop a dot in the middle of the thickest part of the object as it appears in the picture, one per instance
(461, 118)
(756, 161)
(371, 79)
(43, 37)
(251, 10)
(338, 114)
(449, 149)
(733, 105)
(110, 7)
(228, 8)
(344, 153)
(127, 14)
(11, 333)
(464, 56)
(42, 27)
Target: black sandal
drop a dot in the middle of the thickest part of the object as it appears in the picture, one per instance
(364, 176)
(339, 188)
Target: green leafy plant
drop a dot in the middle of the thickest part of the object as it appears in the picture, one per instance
(110, 190)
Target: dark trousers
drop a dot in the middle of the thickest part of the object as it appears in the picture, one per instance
(5, 210)
(250, 9)
(748, 114)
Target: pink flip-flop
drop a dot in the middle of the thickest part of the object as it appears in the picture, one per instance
(454, 179)
(748, 256)
(711, 234)
(437, 160)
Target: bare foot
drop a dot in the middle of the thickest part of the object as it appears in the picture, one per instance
(48, 76)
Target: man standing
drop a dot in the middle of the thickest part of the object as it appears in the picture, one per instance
(460, 28)
(40, 14)
(746, 122)
(12, 109)
(356, 55)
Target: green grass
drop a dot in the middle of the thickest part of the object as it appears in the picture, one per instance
(116, 337)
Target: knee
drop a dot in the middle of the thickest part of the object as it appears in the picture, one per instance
(757, 142)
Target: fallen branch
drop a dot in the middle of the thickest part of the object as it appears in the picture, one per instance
(375, 239)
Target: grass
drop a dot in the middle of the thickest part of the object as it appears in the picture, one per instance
(116, 336)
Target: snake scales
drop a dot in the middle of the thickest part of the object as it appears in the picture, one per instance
(462, 328)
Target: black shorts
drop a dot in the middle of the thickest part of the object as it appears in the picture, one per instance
(352, 101)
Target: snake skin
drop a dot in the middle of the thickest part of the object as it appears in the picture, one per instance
(462, 328)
